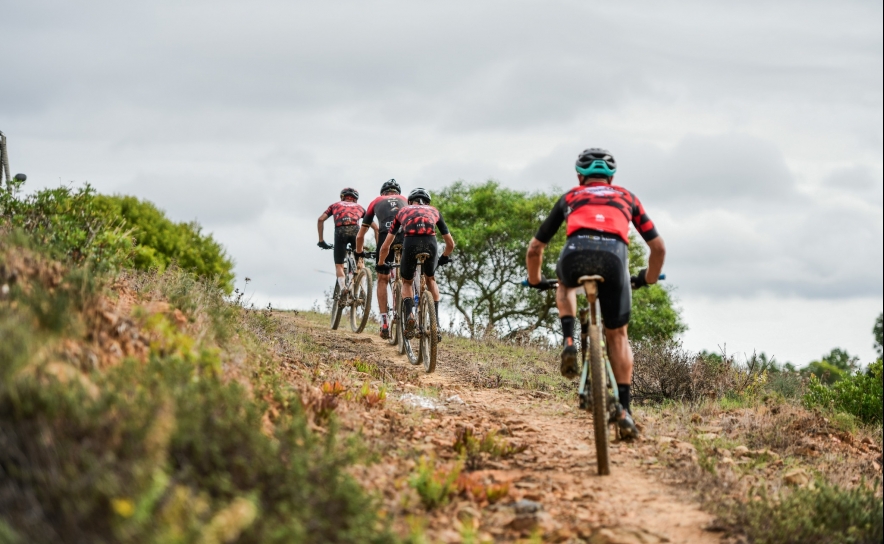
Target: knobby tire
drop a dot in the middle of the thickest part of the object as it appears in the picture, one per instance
(429, 328)
(599, 400)
(393, 321)
(362, 295)
(337, 308)
(407, 349)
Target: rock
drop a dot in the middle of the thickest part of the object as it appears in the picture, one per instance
(665, 439)
(525, 506)
(796, 476)
(726, 461)
(741, 451)
(685, 447)
(450, 536)
(707, 436)
(626, 535)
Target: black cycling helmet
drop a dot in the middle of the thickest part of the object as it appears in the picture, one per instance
(391, 185)
(349, 191)
(419, 194)
(596, 162)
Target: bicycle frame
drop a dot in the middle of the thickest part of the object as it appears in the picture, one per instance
(590, 316)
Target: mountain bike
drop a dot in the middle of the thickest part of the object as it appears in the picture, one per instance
(597, 391)
(356, 296)
(427, 330)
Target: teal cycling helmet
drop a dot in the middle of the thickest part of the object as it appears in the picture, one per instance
(596, 162)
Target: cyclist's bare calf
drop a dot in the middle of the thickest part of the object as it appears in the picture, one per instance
(383, 281)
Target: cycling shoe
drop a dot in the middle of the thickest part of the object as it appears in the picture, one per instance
(410, 326)
(569, 367)
(385, 332)
(628, 430)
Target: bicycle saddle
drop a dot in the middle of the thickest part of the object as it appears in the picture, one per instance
(584, 279)
(421, 257)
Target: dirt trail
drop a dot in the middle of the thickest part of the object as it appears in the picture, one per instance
(557, 470)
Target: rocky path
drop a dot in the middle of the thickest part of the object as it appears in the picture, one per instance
(554, 491)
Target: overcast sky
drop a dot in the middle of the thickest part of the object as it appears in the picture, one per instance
(752, 131)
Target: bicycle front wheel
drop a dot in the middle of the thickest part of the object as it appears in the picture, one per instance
(599, 400)
(337, 308)
(407, 348)
(393, 298)
(429, 330)
(360, 309)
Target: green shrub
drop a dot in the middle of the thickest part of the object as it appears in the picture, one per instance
(826, 514)
(160, 241)
(112, 232)
(859, 395)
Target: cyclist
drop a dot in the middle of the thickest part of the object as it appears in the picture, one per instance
(419, 222)
(385, 207)
(347, 214)
(597, 214)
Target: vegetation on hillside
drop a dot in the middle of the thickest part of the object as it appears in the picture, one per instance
(139, 406)
(113, 232)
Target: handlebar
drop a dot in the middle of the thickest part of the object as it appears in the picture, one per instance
(553, 283)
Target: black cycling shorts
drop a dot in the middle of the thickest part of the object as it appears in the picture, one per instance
(343, 236)
(410, 248)
(391, 255)
(605, 255)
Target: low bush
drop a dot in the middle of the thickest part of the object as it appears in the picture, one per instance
(859, 395)
(113, 232)
(196, 437)
(825, 514)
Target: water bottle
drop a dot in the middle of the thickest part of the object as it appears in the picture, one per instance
(417, 299)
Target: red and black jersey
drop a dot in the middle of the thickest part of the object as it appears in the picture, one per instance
(419, 220)
(600, 207)
(345, 213)
(385, 207)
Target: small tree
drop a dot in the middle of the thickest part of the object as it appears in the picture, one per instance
(492, 226)
(654, 314)
(834, 366)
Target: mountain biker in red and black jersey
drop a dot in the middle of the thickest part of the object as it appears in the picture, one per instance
(418, 222)
(347, 214)
(598, 214)
(385, 208)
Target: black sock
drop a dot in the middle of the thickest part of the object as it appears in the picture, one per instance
(568, 328)
(436, 306)
(623, 391)
(408, 302)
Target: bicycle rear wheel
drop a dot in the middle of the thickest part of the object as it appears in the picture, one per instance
(429, 329)
(337, 308)
(393, 297)
(599, 400)
(360, 309)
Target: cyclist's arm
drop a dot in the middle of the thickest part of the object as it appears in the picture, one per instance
(655, 260)
(360, 238)
(320, 224)
(449, 244)
(534, 260)
(377, 236)
(446, 235)
(548, 229)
